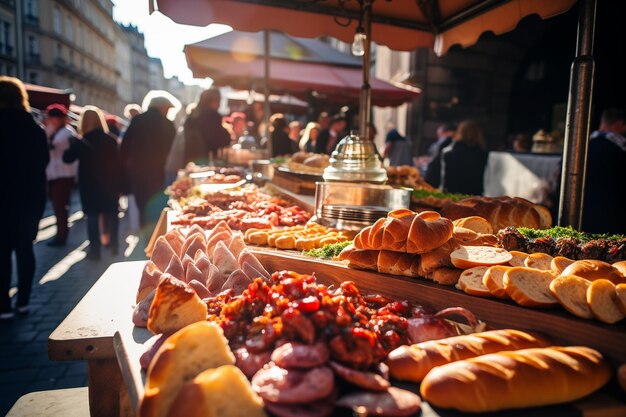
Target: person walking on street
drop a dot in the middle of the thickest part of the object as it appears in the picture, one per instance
(463, 161)
(328, 138)
(444, 139)
(145, 147)
(398, 149)
(99, 177)
(61, 176)
(23, 165)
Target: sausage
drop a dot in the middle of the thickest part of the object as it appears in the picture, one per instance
(150, 348)
(296, 355)
(142, 310)
(321, 408)
(250, 363)
(278, 385)
(394, 402)
(367, 380)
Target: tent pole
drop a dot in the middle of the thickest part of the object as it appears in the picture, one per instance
(266, 85)
(578, 120)
(366, 90)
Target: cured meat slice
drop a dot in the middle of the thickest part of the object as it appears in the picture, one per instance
(150, 277)
(215, 280)
(214, 239)
(251, 272)
(250, 363)
(282, 386)
(193, 273)
(224, 259)
(162, 253)
(367, 380)
(199, 288)
(394, 402)
(142, 310)
(221, 226)
(247, 257)
(186, 260)
(193, 244)
(202, 263)
(237, 281)
(297, 355)
(175, 268)
(321, 408)
(195, 230)
(150, 348)
(236, 245)
(176, 240)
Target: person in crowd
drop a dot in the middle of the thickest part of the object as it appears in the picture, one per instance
(131, 110)
(279, 135)
(204, 133)
(444, 139)
(239, 123)
(522, 143)
(604, 198)
(463, 161)
(114, 124)
(309, 137)
(145, 147)
(176, 156)
(61, 176)
(323, 120)
(398, 149)
(99, 177)
(295, 134)
(327, 139)
(24, 158)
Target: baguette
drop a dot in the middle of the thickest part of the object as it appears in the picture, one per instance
(412, 363)
(529, 287)
(516, 379)
(571, 291)
(602, 299)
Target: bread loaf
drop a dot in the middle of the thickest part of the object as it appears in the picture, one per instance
(175, 306)
(500, 212)
(592, 270)
(218, 392)
(516, 379)
(476, 223)
(180, 358)
(359, 258)
(412, 363)
(386, 262)
(406, 231)
(529, 287)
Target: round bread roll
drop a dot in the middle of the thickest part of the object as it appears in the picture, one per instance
(593, 270)
(316, 161)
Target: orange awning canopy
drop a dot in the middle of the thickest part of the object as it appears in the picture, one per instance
(399, 24)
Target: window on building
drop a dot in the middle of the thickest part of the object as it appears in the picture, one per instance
(6, 38)
(81, 36)
(56, 19)
(31, 9)
(71, 57)
(33, 77)
(33, 45)
(59, 51)
(69, 28)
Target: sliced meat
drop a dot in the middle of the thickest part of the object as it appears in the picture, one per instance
(394, 402)
(193, 273)
(247, 257)
(297, 355)
(142, 310)
(321, 408)
(193, 244)
(162, 253)
(175, 268)
(282, 386)
(215, 280)
(150, 277)
(199, 288)
(150, 348)
(567, 247)
(594, 249)
(237, 281)
(250, 363)
(542, 245)
(367, 380)
(224, 259)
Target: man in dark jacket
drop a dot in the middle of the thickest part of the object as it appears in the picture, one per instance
(145, 147)
(444, 138)
(328, 138)
(204, 133)
(605, 201)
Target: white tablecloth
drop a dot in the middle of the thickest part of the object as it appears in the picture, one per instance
(531, 176)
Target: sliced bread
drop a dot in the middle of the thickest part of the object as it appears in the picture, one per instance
(621, 267)
(518, 258)
(602, 299)
(571, 291)
(467, 257)
(539, 261)
(620, 290)
(529, 287)
(559, 263)
(471, 281)
(493, 280)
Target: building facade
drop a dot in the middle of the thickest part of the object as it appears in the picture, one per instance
(124, 69)
(140, 63)
(156, 80)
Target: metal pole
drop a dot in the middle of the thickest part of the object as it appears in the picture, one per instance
(19, 40)
(578, 120)
(366, 90)
(266, 82)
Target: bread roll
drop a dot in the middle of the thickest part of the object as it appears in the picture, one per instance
(397, 263)
(516, 379)
(476, 223)
(445, 276)
(592, 270)
(412, 363)
(571, 291)
(470, 256)
(175, 306)
(406, 231)
(180, 358)
(218, 392)
(529, 287)
(360, 258)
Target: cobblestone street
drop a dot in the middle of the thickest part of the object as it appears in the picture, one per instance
(62, 278)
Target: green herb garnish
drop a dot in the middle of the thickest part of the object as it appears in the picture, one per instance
(422, 193)
(561, 232)
(328, 251)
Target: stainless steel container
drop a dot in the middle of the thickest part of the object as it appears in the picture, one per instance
(262, 171)
(355, 160)
(352, 206)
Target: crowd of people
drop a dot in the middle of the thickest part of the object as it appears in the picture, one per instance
(109, 159)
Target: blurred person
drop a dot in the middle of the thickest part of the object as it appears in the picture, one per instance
(145, 147)
(522, 143)
(131, 110)
(114, 124)
(327, 139)
(398, 149)
(295, 133)
(445, 132)
(204, 133)
(279, 135)
(99, 177)
(309, 137)
(604, 198)
(239, 123)
(61, 176)
(323, 120)
(23, 164)
(463, 161)
(176, 157)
